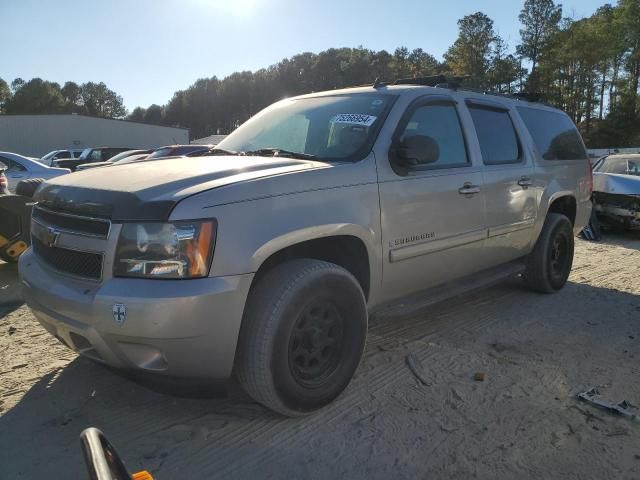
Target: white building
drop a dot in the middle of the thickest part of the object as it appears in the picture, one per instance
(36, 135)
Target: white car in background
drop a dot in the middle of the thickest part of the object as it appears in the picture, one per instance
(125, 156)
(20, 168)
(60, 155)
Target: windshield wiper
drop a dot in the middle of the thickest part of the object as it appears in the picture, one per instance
(278, 152)
(220, 151)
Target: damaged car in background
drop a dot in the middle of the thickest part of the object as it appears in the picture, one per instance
(616, 190)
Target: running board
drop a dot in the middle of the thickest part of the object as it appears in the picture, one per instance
(417, 302)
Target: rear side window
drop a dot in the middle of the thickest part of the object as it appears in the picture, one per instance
(496, 135)
(12, 166)
(554, 134)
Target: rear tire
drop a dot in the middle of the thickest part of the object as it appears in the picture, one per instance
(549, 264)
(302, 336)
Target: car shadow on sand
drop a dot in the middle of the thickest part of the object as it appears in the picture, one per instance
(10, 292)
(620, 237)
(173, 430)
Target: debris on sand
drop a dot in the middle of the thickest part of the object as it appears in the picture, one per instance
(479, 376)
(592, 396)
(415, 365)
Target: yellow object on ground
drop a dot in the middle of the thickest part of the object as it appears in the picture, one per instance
(15, 250)
(143, 475)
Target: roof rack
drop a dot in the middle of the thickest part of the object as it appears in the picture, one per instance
(441, 81)
(455, 83)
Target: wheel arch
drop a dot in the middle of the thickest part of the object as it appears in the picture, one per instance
(564, 203)
(344, 245)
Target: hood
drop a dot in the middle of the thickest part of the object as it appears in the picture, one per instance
(616, 184)
(148, 191)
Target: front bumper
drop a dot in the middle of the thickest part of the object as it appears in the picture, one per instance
(179, 328)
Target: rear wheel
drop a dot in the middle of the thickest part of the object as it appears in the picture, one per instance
(302, 336)
(549, 264)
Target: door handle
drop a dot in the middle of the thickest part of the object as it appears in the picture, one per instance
(525, 182)
(469, 189)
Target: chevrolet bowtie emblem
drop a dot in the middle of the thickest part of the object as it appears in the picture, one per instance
(51, 237)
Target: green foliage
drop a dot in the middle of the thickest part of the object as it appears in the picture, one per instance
(35, 96)
(5, 94)
(98, 100)
(590, 68)
(213, 105)
(71, 92)
(16, 84)
(153, 115)
(469, 56)
(539, 19)
(40, 96)
(137, 115)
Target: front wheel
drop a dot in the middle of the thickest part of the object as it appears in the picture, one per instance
(549, 264)
(302, 336)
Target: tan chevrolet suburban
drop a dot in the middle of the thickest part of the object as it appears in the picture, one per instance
(266, 258)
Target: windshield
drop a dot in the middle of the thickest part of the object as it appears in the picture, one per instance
(619, 165)
(338, 127)
(85, 153)
(49, 155)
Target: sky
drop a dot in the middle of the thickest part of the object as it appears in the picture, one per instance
(145, 50)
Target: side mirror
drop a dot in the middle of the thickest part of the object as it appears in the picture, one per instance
(417, 150)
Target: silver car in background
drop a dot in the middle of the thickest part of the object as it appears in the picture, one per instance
(20, 168)
(54, 155)
(616, 189)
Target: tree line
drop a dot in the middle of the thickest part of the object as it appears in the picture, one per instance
(41, 96)
(590, 68)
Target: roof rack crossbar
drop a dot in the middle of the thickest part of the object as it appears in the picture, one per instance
(455, 83)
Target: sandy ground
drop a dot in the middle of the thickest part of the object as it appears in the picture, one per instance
(522, 421)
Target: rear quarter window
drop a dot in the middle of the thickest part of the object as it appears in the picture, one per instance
(553, 133)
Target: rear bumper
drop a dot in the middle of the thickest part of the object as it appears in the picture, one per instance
(179, 328)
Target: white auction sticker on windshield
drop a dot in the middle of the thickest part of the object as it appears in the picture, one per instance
(355, 119)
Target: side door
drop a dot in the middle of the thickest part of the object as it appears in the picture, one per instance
(510, 192)
(15, 172)
(432, 214)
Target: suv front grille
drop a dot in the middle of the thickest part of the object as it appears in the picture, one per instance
(81, 264)
(95, 227)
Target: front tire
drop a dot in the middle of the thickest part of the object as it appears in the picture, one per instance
(549, 264)
(302, 336)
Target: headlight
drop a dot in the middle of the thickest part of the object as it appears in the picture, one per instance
(165, 250)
